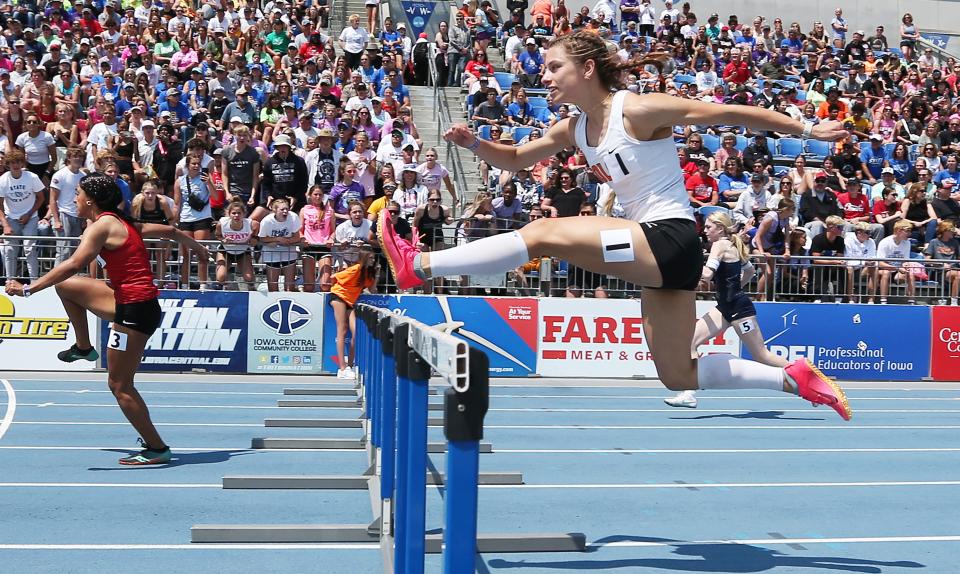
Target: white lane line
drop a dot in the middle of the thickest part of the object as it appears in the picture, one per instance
(218, 546)
(635, 486)
(176, 449)
(683, 451)
(82, 423)
(668, 485)
(11, 407)
(779, 541)
(105, 485)
(91, 391)
(593, 546)
(723, 450)
(154, 406)
(722, 427)
(851, 395)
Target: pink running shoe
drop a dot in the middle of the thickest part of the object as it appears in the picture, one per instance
(817, 388)
(399, 253)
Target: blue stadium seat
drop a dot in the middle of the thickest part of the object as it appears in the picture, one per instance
(788, 149)
(538, 102)
(505, 79)
(914, 152)
(711, 142)
(818, 149)
(520, 134)
(742, 142)
(708, 210)
(888, 148)
(896, 52)
(542, 114)
(801, 95)
(484, 132)
(684, 79)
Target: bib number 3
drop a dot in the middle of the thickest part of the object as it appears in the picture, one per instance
(117, 340)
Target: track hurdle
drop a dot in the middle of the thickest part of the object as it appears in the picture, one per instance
(396, 358)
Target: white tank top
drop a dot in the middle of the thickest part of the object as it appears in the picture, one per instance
(235, 241)
(645, 175)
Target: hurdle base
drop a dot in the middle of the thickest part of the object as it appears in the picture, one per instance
(314, 423)
(336, 404)
(281, 533)
(340, 444)
(346, 482)
(330, 391)
(328, 423)
(361, 533)
(324, 392)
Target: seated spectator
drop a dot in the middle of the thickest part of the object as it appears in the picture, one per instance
(919, 213)
(950, 172)
(562, 198)
(945, 205)
(531, 64)
(829, 243)
(490, 111)
(860, 249)
(817, 204)
(701, 187)
(752, 203)
(508, 208)
(732, 182)
(728, 149)
(758, 151)
(856, 209)
(520, 112)
(896, 247)
(873, 159)
(944, 249)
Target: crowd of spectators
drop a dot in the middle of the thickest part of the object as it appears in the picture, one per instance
(257, 124)
(897, 168)
(249, 122)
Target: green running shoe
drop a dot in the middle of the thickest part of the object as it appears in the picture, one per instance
(147, 456)
(75, 354)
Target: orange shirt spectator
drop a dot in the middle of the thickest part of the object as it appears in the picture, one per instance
(544, 7)
(350, 283)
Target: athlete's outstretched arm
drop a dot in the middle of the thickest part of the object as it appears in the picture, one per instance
(158, 231)
(671, 111)
(91, 242)
(514, 158)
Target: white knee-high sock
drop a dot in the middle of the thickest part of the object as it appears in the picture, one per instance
(728, 372)
(496, 254)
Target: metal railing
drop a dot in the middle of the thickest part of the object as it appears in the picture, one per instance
(776, 278)
(942, 56)
(441, 115)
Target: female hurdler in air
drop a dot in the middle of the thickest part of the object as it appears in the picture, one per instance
(628, 141)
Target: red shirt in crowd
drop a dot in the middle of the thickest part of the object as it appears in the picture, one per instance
(702, 187)
(736, 72)
(854, 208)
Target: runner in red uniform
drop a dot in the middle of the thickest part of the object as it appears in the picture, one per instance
(129, 300)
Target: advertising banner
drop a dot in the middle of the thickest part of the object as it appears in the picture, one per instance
(284, 332)
(34, 330)
(504, 328)
(199, 330)
(852, 342)
(604, 338)
(945, 344)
